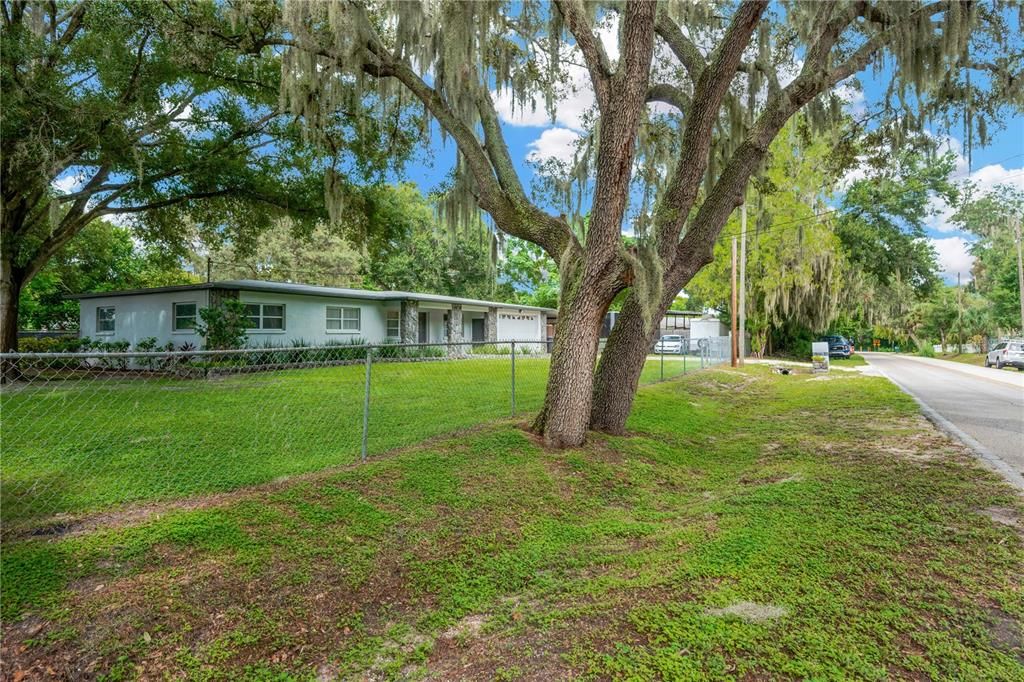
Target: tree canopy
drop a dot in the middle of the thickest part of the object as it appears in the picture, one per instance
(995, 219)
(101, 257)
(168, 112)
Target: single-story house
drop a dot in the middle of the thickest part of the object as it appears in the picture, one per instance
(281, 313)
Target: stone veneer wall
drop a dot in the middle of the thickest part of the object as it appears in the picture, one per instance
(409, 322)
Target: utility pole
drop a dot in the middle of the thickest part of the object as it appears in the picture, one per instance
(1020, 269)
(743, 281)
(209, 267)
(735, 354)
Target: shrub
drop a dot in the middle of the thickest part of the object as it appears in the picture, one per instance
(113, 347)
(925, 350)
(151, 345)
(347, 349)
(223, 327)
(67, 344)
(491, 349)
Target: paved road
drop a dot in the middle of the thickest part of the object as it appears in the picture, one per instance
(986, 404)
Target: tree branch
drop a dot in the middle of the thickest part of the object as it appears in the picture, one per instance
(669, 94)
(710, 89)
(575, 16)
(682, 47)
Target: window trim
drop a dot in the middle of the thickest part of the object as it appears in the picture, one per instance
(342, 320)
(398, 324)
(261, 316)
(175, 316)
(113, 320)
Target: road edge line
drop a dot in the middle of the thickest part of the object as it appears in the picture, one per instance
(990, 459)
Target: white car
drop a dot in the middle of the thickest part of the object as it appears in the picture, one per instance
(670, 343)
(1006, 353)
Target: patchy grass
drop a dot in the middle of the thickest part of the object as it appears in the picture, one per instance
(852, 361)
(752, 526)
(966, 358)
(74, 445)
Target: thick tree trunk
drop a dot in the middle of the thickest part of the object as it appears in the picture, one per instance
(564, 418)
(618, 372)
(10, 290)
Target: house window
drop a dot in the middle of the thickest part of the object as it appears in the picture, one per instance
(341, 319)
(185, 316)
(394, 324)
(265, 316)
(105, 320)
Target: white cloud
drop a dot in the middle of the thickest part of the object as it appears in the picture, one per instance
(984, 179)
(577, 95)
(122, 220)
(853, 96)
(953, 258)
(67, 184)
(553, 143)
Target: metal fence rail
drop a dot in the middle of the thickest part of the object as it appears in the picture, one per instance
(82, 432)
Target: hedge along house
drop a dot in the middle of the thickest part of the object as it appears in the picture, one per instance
(283, 314)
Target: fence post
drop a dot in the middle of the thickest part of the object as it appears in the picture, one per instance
(663, 362)
(513, 378)
(366, 402)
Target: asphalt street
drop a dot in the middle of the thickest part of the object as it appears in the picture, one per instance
(986, 404)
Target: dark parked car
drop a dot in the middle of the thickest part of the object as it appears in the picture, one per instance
(838, 347)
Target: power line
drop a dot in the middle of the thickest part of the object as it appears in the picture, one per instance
(790, 223)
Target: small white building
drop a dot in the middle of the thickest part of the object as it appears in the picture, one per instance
(282, 313)
(708, 326)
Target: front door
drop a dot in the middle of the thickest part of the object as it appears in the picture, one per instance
(478, 329)
(424, 323)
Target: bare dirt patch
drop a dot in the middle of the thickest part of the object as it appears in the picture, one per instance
(1006, 632)
(470, 626)
(1004, 516)
(749, 611)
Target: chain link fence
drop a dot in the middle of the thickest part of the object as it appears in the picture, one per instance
(87, 432)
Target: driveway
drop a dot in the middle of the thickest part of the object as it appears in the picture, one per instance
(983, 407)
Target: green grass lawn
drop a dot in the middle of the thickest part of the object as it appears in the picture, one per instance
(966, 358)
(852, 361)
(73, 446)
(854, 541)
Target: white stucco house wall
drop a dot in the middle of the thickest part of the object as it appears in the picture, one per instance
(281, 313)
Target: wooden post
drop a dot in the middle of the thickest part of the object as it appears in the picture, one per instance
(735, 349)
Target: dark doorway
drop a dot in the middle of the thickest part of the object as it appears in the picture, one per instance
(424, 323)
(478, 329)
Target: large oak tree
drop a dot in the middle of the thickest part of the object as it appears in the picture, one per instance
(732, 73)
(164, 111)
